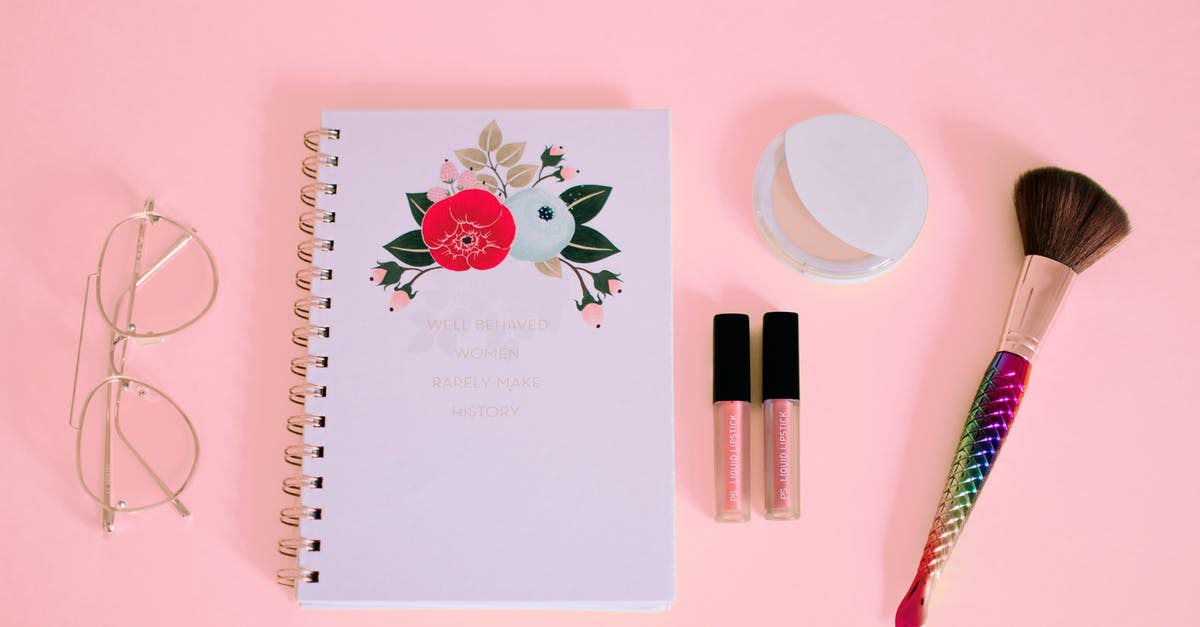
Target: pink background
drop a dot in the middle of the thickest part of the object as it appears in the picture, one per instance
(1089, 517)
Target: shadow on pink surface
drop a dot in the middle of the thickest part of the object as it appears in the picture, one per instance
(293, 108)
(693, 392)
(734, 164)
(53, 254)
(985, 164)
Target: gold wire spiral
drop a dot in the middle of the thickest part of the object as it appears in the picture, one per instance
(291, 577)
(291, 547)
(300, 424)
(300, 336)
(291, 516)
(306, 276)
(304, 306)
(297, 453)
(294, 484)
(310, 218)
(300, 365)
(306, 248)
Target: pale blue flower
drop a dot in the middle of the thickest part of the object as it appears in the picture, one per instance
(544, 225)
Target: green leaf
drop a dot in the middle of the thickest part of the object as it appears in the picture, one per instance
(550, 160)
(587, 300)
(410, 249)
(589, 245)
(601, 279)
(392, 272)
(585, 201)
(419, 203)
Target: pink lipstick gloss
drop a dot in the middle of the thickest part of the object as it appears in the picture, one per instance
(781, 410)
(731, 416)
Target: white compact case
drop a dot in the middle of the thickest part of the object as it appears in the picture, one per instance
(855, 183)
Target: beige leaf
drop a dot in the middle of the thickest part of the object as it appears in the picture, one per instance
(550, 267)
(472, 158)
(509, 154)
(520, 175)
(489, 182)
(490, 138)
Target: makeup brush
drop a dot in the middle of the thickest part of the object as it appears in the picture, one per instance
(1068, 222)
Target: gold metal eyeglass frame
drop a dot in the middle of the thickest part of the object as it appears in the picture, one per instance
(115, 384)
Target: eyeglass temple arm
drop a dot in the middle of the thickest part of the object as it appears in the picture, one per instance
(143, 277)
(107, 517)
(108, 514)
(179, 244)
(139, 279)
(175, 248)
(87, 288)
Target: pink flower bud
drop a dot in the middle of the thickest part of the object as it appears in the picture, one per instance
(556, 151)
(378, 275)
(467, 180)
(436, 194)
(614, 286)
(449, 172)
(400, 300)
(593, 314)
(568, 172)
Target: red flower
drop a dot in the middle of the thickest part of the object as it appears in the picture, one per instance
(470, 229)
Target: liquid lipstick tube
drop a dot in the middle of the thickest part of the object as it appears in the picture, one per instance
(731, 416)
(781, 411)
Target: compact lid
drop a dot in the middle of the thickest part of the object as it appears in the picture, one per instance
(859, 180)
(731, 357)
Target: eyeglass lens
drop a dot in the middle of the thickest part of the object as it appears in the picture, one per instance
(149, 445)
(155, 277)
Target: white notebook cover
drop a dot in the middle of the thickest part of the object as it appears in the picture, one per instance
(486, 445)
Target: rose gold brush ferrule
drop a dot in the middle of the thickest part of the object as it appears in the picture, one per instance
(1039, 294)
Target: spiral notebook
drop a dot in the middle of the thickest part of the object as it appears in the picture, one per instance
(487, 392)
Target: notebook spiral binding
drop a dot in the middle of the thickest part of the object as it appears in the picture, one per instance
(300, 424)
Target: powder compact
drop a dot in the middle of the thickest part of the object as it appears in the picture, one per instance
(840, 198)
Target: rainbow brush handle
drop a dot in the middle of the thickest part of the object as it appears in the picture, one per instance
(991, 416)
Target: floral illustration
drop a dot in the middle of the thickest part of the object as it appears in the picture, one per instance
(470, 229)
(492, 209)
(545, 225)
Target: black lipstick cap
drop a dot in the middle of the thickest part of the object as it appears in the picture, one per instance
(781, 355)
(731, 357)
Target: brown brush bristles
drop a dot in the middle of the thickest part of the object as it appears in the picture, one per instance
(1067, 217)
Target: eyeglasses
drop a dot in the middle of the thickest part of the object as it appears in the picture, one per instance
(166, 270)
